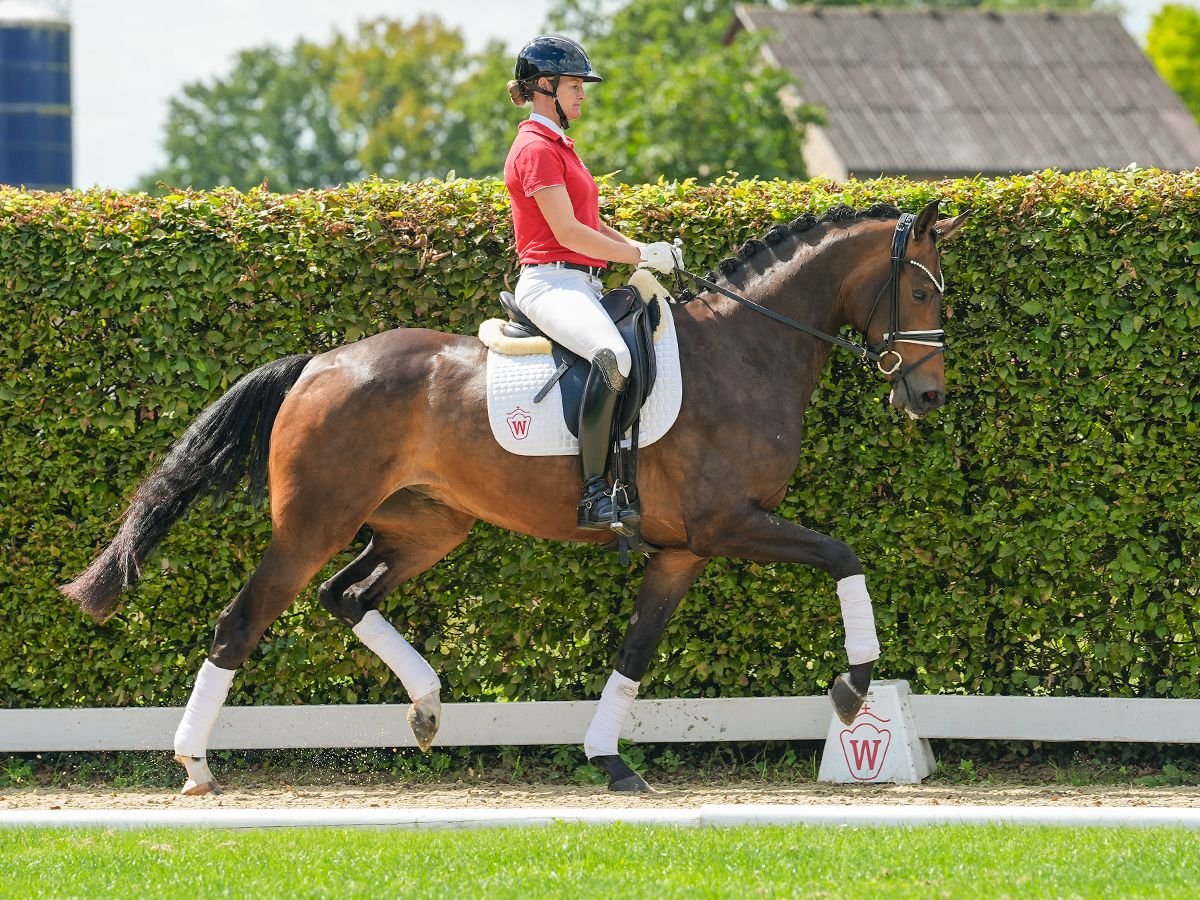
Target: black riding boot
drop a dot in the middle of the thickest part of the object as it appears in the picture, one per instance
(604, 386)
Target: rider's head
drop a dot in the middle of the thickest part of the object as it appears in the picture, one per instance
(541, 66)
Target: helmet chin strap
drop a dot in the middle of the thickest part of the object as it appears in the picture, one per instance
(563, 122)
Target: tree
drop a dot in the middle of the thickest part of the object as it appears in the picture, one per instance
(676, 101)
(272, 118)
(399, 101)
(1173, 45)
(422, 105)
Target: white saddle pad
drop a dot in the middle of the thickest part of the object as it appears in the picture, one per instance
(537, 429)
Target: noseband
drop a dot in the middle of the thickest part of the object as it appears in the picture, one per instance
(867, 353)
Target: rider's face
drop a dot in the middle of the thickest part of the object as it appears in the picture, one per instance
(570, 96)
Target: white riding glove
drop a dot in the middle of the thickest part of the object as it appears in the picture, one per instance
(661, 256)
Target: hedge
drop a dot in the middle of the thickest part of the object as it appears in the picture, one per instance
(1037, 536)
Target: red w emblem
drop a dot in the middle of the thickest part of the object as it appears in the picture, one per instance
(865, 746)
(518, 423)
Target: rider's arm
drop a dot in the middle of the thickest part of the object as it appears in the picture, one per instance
(617, 236)
(555, 206)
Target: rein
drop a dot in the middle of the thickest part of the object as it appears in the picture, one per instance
(864, 352)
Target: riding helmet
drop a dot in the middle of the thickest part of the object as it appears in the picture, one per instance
(553, 54)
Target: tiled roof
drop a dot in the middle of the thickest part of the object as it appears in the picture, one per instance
(966, 92)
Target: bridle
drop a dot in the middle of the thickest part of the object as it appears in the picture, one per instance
(935, 338)
(886, 348)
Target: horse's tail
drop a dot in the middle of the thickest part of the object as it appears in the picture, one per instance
(228, 440)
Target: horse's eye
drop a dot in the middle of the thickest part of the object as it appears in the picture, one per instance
(920, 296)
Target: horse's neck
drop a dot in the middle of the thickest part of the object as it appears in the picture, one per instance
(805, 288)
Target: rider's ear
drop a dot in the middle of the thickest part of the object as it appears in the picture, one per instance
(925, 220)
(947, 228)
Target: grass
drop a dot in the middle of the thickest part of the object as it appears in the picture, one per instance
(603, 861)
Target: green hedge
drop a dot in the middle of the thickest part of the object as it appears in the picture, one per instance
(1038, 535)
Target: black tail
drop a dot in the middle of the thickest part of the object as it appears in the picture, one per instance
(228, 440)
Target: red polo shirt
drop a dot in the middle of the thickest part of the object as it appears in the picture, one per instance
(538, 159)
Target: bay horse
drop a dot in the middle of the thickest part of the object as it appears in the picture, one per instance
(392, 432)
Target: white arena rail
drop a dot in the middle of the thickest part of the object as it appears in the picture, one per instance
(652, 721)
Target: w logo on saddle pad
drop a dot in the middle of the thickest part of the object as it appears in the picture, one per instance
(518, 423)
(519, 369)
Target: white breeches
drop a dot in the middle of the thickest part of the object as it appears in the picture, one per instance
(565, 304)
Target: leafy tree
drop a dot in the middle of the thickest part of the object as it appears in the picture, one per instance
(399, 101)
(1173, 44)
(676, 101)
(421, 104)
(272, 118)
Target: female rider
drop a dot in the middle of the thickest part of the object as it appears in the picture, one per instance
(564, 248)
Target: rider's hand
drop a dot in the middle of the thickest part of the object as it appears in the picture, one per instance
(661, 256)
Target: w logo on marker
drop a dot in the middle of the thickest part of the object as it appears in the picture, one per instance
(518, 423)
(865, 747)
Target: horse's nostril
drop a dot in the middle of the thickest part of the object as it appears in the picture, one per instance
(932, 397)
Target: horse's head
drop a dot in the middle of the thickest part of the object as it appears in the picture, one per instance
(895, 299)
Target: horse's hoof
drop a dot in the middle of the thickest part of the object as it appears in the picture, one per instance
(424, 718)
(847, 699)
(621, 778)
(633, 784)
(200, 780)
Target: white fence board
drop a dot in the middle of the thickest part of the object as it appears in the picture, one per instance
(652, 721)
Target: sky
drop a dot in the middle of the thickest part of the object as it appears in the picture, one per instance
(131, 56)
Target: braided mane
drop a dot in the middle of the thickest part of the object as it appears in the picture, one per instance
(838, 217)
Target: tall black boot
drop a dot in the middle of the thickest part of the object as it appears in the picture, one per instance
(604, 386)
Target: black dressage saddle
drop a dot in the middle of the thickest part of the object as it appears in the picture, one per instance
(635, 320)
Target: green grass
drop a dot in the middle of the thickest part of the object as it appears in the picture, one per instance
(602, 861)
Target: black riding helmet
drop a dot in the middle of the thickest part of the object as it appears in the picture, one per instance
(553, 56)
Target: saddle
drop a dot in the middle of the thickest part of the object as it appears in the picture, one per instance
(635, 320)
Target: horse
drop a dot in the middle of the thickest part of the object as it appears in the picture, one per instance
(392, 433)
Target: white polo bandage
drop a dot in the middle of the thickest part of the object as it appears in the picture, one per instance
(616, 701)
(862, 645)
(203, 707)
(401, 657)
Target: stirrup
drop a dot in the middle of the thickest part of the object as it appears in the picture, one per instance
(600, 511)
(626, 516)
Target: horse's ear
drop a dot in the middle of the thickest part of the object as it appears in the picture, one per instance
(925, 221)
(947, 228)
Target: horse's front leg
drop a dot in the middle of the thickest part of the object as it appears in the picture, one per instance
(669, 574)
(757, 534)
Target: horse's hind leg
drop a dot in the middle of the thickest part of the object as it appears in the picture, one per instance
(286, 567)
(411, 533)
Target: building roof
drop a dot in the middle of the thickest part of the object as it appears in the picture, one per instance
(927, 92)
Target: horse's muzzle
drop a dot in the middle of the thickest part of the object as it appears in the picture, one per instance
(916, 405)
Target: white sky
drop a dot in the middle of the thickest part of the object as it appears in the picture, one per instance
(131, 56)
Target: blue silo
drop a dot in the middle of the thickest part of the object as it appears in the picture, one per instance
(35, 96)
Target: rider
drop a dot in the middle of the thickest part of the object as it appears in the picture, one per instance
(564, 248)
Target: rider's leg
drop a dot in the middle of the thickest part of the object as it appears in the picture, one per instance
(564, 303)
(604, 386)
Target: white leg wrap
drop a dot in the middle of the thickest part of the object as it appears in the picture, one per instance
(208, 696)
(410, 667)
(862, 646)
(615, 703)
